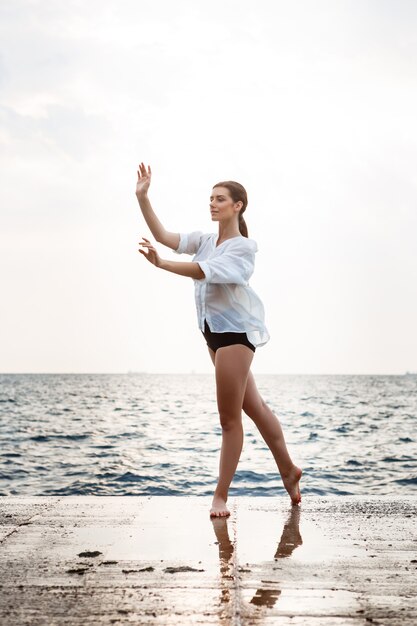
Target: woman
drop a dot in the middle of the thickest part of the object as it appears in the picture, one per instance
(231, 318)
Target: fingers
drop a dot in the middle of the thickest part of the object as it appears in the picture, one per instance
(147, 244)
(142, 170)
(150, 249)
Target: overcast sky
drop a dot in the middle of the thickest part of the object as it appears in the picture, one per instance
(310, 105)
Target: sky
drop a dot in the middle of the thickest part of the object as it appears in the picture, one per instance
(310, 105)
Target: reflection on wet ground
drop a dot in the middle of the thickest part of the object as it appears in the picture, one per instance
(290, 539)
(163, 560)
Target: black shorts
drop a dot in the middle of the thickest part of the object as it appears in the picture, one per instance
(219, 340)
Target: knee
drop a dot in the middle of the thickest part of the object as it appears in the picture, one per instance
(228, 421)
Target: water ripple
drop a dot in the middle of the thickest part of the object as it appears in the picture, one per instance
(159, 434)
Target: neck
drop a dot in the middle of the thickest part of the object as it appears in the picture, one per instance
(228, 229)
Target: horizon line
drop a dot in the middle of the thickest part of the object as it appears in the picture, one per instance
(192, 372)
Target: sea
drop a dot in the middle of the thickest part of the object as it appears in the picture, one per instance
(159, 434)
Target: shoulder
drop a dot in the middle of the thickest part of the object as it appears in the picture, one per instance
(252, 244)
(245, 244)
(200, 236)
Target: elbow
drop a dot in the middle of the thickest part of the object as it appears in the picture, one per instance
(200, 273)
(161, 237)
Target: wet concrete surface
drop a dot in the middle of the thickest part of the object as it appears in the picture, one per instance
(162, 560)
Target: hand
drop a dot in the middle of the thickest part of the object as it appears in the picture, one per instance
(144, 179)
(152, 255)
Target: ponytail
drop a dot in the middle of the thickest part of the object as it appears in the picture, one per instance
(242, 225)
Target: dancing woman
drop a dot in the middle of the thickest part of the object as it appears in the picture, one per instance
(231, 319)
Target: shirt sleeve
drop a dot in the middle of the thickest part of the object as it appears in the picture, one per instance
(235, 265)
(189, 242)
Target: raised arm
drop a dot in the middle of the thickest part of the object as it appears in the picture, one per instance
(171, 240)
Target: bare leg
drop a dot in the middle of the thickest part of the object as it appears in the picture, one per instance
(232, 365)
(270, 428)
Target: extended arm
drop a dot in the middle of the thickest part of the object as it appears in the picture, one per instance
(191, 269)
(184, 268)
(171, 240)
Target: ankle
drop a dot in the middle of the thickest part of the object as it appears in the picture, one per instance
(222, 496)
(288, 471)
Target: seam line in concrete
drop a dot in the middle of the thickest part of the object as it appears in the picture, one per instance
(29, 520)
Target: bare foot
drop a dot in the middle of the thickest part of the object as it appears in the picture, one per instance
(219, 508)
(290, 481)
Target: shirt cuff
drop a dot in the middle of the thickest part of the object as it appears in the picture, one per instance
(182, 244)
(206, 269)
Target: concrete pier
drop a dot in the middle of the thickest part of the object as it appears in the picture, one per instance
(81, 560)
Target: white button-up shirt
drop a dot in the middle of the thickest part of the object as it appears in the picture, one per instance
(224, 297)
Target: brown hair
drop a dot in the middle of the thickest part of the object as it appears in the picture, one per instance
(237, 193)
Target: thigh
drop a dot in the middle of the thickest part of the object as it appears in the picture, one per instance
(253, 402)
(232, 365)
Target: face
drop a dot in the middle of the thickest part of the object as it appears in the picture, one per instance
(222, 205)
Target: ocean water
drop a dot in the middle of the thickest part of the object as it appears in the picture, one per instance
(159, 434)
